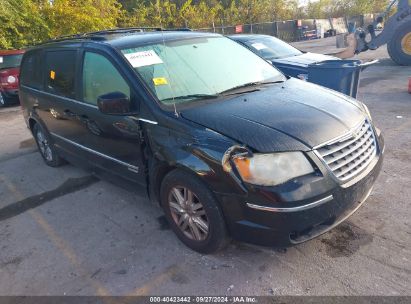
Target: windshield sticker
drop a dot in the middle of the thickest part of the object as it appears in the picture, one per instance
(160, 81)
(146, 58)
(1, 59)
(259, 46)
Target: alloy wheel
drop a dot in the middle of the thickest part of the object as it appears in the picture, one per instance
(406, 43)
(44, 146)
(188, 213)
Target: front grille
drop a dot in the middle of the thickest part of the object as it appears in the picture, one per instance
(349, 156)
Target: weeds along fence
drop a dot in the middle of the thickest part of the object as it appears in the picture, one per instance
(294, 30)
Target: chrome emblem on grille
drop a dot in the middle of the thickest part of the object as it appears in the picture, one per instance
(357, 133)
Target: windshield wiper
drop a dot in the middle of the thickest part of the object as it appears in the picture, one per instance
(192, 96)
(250, 84)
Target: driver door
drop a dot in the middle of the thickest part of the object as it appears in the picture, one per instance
(112, 142)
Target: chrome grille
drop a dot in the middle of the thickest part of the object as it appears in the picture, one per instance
(350, 155)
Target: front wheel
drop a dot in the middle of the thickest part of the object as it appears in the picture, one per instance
(399, 47)
(193, 212)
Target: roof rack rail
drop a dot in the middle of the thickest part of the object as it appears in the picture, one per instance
(125, 30)
(135, 29)
(183, 29)
(72, 37)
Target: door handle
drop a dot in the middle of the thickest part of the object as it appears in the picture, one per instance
(84, 118)
(69, 113)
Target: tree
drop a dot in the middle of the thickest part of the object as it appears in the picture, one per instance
(22, 23)
(78, 16)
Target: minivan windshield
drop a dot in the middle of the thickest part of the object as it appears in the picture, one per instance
(10, 61)
(271, 48)
(193, 69)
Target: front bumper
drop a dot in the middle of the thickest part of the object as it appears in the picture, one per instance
(11, 95)
(298, 212)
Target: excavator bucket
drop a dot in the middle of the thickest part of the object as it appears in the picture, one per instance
(351, 50)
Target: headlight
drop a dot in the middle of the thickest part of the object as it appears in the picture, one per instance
(272, 169)
(366, 110)
(11, 79)
(303, 77)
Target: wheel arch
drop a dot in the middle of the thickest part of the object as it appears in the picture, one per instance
(32, 122)
(159, 169)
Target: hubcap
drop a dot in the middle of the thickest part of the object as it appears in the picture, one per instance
(406, 43)
(44, 146)
(188, 213)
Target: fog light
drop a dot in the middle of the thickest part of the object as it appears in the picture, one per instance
(11, 79)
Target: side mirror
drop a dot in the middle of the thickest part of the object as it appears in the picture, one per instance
(114, 103)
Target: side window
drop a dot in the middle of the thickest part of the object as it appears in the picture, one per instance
(101, 77)
(60, 72)
(31, 70)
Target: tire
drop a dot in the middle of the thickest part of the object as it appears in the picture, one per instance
(46, 148)
(2, 100)
(399, 47)
(192, 217)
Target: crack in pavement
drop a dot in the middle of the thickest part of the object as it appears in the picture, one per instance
(69, 186)
(387, 264)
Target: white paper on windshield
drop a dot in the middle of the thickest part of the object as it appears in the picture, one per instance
(1, 59)
(145, 58)
(259, 46)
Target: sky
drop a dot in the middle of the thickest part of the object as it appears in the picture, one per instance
(304, 2)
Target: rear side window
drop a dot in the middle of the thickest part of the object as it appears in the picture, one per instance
(31, 70)
(60, 72)
(101, 77)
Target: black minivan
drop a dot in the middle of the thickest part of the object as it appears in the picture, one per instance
(228, 145)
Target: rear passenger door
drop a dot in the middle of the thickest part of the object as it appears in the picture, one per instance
(58, 99)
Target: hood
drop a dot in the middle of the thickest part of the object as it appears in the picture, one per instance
(295, 115)
(303, 60)
(9, 72)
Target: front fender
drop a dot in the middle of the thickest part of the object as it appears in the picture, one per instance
(201, 156)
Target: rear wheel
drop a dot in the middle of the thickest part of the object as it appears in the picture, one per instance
(399, 47)
(193, 212)
(47, 150)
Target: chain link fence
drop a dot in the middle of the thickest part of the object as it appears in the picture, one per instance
(295, 30)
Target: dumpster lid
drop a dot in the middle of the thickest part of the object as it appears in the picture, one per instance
(336, 64)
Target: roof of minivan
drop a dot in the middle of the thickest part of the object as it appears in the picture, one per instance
(245, 37)
(124, 40)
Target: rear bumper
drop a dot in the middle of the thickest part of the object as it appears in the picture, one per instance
(296, 222)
